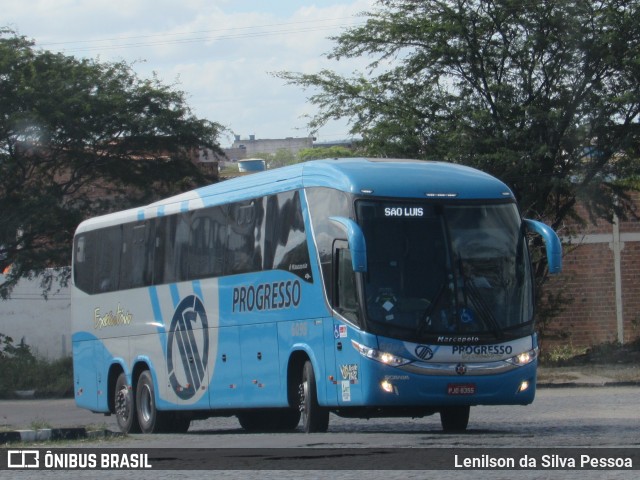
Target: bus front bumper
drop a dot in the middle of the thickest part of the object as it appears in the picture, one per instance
(410, 387)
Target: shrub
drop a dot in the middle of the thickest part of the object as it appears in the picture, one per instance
(22, 370)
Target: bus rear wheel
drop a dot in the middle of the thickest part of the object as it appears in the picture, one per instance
(314, 417)
(455, 419)
(124, 406)
(149, 418)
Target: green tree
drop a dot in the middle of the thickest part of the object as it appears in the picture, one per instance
(279, 158)
(79, 138)
(335, 151)
(543, 94)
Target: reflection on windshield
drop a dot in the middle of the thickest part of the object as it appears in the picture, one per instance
(445, 269)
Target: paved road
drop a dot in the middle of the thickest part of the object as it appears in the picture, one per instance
(558, 417)
(578, 417)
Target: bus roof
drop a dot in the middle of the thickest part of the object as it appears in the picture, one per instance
(367, 176)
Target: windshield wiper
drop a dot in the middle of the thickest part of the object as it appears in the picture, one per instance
(481, 307)
(425, 318)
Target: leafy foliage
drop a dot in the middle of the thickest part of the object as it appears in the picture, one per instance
(544, 95)
(79, 138)
(280, 158)
(335, 151)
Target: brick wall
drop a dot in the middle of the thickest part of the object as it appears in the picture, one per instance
(601, 276)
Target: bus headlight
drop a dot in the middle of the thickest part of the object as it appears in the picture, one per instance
(524, 358)
(377, 355)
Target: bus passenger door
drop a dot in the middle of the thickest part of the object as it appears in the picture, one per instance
(345, 302)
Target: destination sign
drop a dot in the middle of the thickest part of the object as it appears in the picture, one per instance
(403, 212)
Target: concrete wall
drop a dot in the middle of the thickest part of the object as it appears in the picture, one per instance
(45, 325)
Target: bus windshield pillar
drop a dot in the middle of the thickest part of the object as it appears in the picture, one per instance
(357, 244)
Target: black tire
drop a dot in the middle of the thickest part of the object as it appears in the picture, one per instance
(314, 417)
(149, 419)
(124, 406)
(455, 419)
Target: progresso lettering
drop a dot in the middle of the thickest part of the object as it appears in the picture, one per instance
(267, 296)
(483, 350)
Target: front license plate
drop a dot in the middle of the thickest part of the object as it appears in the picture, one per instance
(461, 389)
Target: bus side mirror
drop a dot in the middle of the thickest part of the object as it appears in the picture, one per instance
(551, 241)
(357, 245)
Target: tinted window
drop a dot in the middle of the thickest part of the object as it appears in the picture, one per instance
(325, 203)
(260, 234)
(286, 241)
(346, 301)
(244, 222)
(175, 237)
(207, 243)
(136, 256)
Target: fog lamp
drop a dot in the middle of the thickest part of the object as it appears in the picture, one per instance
(524, 386)
(387, 386)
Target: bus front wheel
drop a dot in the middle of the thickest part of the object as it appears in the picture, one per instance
(124, 406)
(455, 419)
(314, 417)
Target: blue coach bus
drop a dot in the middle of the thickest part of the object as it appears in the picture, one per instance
(361, 287)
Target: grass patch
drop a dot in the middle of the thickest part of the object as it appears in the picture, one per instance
(612, 353)
(560, 354)
(39, 424)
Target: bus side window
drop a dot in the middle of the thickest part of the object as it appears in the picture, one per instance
(346, 294)
(324, 203)
(174, 245)
(136, 257)
(107, 264)
(143, 239)
(83, 268)
(205, 257)
(241, 242)
(285, 239)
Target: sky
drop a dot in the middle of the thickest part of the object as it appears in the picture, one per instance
(219, 52)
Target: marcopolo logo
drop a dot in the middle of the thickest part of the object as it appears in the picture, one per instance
(423, 352)
(188, 347)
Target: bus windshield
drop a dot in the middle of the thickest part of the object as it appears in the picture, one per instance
(446, 270)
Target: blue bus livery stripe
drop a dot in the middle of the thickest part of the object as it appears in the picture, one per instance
(197, 289)
(157, 315)
(175, 294)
